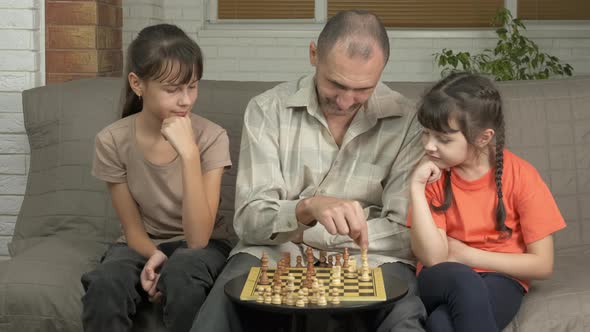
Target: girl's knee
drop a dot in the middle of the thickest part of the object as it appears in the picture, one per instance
(440, 320)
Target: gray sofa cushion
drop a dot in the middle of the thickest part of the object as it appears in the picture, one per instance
(561, 303)
(61, 196)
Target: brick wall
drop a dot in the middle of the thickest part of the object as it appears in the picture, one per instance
(138, 14)
(83, 39)
(19, 70)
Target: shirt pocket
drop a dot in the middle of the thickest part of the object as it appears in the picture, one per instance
(366, 183)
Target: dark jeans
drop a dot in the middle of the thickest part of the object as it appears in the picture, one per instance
(460, 299)
(219, 314)
(113, 289)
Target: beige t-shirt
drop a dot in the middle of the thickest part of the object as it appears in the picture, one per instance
(157, 189)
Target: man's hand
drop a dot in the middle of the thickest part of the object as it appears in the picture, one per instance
(339, 216)
(150, 275)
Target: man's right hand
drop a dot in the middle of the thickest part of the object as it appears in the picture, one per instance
(338, 216)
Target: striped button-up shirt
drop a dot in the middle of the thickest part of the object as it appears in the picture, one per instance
(288, 154)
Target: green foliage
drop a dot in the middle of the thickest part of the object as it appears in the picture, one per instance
(515, 57)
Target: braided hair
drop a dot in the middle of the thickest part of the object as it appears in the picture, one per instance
(475, 104)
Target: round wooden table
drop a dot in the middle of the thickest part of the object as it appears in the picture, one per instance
(345, 316)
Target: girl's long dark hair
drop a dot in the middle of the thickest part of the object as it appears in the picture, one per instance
(475, 104)
(163, 53)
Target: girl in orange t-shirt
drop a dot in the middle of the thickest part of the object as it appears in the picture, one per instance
(481, 218)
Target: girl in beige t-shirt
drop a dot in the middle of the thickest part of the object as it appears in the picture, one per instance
(163, 167)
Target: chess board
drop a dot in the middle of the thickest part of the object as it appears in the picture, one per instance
(351, 290)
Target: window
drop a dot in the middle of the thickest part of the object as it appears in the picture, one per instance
(397, 13)
(394, 13)
(265, 9)
(425, 13)
(554, 10)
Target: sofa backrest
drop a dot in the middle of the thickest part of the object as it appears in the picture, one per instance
(548, 123)
(61, 121)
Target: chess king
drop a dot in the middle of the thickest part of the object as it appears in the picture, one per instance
(324, 162)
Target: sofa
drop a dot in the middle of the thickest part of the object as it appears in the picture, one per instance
(66, 221)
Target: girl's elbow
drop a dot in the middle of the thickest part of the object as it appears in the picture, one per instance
(545, 272)
(428, 260)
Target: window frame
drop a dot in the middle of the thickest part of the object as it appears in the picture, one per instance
(309, 28)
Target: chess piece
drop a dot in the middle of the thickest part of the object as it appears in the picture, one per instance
(345, 258)
(268, 296)
(260, 293)
(351, 272)
(310, 260)
(365, 275)
(299, 262)
(305, 295)
(330, 260)
(290, 298)
(323, 258)
(287, 259)
(365, 266)
(276, 277)
(335, 298)
(336, 276)
(315, 288)
(338, 258)
(264, 276)
(290, 282)
(322, 298)
(276, 298)
(300, 301)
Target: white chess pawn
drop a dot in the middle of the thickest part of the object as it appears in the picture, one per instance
(260, 293)
(335, 298)
(322, 298)
(268, 296)
(305, 295)
(315, 288)
(365, 275)
(300, 299)
(290, 298)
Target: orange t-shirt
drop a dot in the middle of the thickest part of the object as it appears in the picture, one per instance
(531, 211)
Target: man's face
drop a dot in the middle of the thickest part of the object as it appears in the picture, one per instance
(343, 83)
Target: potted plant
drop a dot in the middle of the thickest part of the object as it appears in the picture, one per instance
(515, 57)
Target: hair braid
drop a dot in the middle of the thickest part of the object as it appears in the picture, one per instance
(499, 156)
(448, 192)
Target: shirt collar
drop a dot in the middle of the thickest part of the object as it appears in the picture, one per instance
(382, 104)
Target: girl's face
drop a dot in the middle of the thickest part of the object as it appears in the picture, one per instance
(446, 150)
(166, 99)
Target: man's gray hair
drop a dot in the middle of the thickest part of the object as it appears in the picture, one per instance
(358, 30)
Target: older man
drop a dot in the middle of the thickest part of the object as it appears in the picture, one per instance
(324, 162)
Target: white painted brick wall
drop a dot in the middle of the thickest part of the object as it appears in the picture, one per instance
(138, 14)
(20, 69)
(239, 54)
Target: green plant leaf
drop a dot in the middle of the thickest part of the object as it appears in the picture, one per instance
(515, 57)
